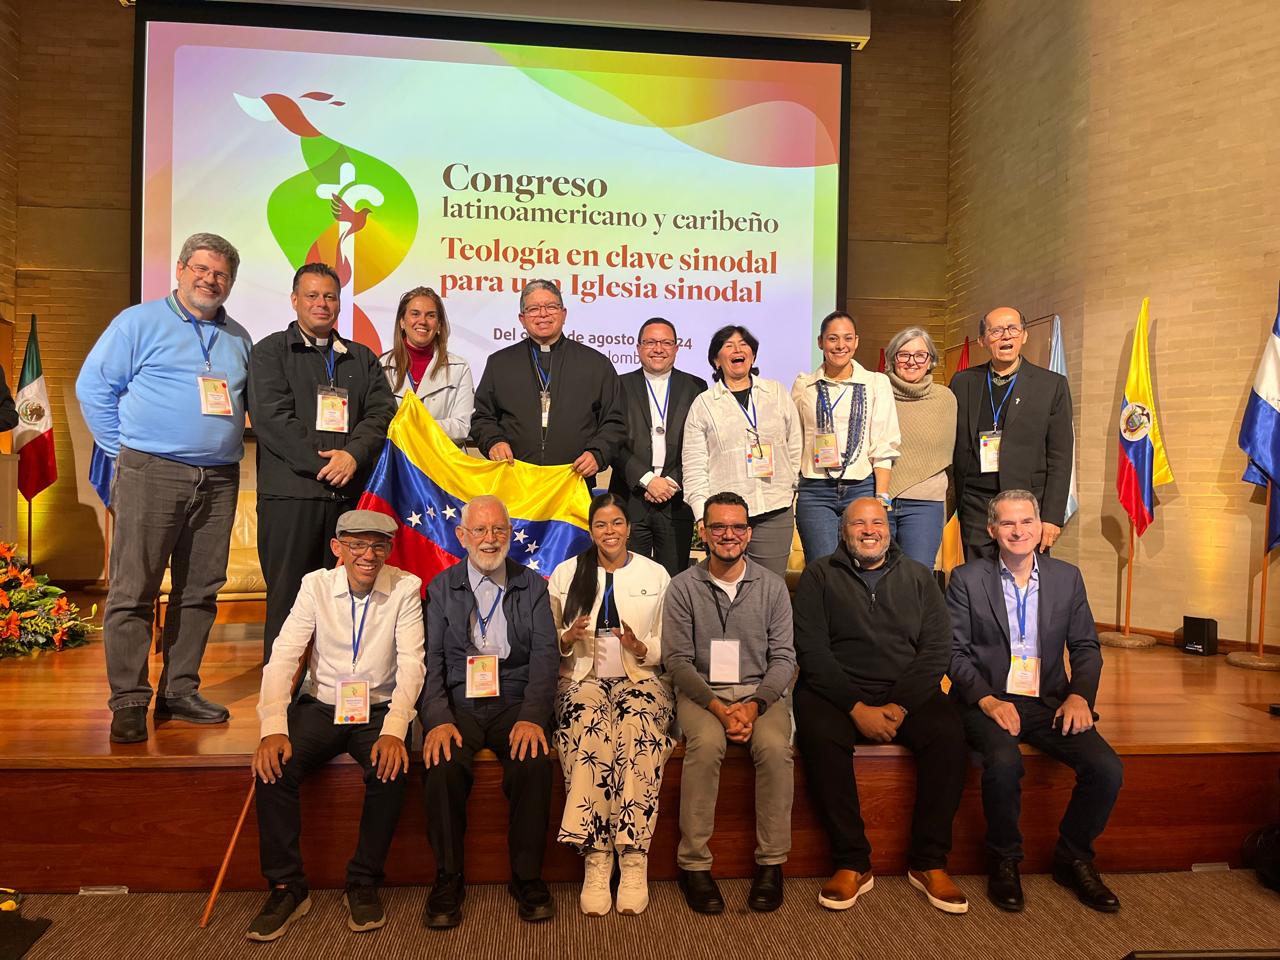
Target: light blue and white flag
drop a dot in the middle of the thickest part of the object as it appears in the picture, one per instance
(1058, 364)
(1260, 428)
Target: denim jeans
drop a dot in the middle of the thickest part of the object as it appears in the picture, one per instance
(819, 505)
(916, 527)
(175, 515)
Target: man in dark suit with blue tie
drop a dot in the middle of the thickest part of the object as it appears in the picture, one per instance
(647, 472)
(1013, 616)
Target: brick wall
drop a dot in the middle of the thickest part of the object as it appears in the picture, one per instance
(1104, 152)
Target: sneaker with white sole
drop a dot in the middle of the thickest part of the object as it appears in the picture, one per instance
(633, 883)
(596, 900)
(283, 906)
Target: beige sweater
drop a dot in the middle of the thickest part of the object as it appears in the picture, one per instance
(927, 421)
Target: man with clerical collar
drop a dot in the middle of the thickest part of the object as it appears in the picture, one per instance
(163, 393)
(726, 641)
(1013, 616)
(1013, 431)
(648, 471)
(320, 406)
(548, 399)
(493, 656)
(365, 671)
(873, 639)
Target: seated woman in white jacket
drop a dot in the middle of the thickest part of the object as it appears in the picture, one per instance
(420, 363)
(613, 713)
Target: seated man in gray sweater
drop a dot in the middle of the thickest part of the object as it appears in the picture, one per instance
(726, 640)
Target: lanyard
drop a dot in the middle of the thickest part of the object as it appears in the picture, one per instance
(196, 324)
(857, 414)
(996, 411)
(754, 416)
(357, 635)
(608, 597)
(826, 413)
(661, 407)
(330, 360)
(1020, 601)
(721, 612)
(483, 621)
(543, 378)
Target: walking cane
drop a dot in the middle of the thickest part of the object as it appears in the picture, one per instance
(244, 811)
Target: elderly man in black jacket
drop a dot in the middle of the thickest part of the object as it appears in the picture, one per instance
(492, 659)
(548, 399)
(320, 406)
(873, 639)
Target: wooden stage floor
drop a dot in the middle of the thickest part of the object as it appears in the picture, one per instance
(1202, 760)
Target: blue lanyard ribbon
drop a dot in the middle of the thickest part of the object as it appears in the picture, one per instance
(357, 635)
(543, 378)
(608, 597)
(661, 407)
(826, 413)
(1020, 601)
(753, 417)
(330, 360)
(996, 411)
(196, 324)
(483, 620)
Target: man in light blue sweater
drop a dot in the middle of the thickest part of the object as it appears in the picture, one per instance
(163, 392)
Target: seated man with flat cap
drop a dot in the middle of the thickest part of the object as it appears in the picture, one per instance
(1013, 616)
(493, 658)
(365, 672)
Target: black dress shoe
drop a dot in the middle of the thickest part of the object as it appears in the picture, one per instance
(444, 902)
(129, 725)
(766, 888)
(533, 900)
(1004, 886)
(700, 891)
(193, 708)
(1080, 876)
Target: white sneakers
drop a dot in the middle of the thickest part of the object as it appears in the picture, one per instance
(633, 886)
(596, 900)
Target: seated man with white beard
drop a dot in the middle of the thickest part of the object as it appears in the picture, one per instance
(492, 662)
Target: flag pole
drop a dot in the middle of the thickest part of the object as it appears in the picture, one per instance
(1260, 660)
(30, 562)
(1128, 581)
(1126, 637)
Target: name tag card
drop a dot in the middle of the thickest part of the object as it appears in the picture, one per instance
(759, 460)
(482, 676)
(825, 451)
(724, 662)
(608, 655)
(215, 395)
(989, 451)
(1024, 676)
(352, 700)
(331, 410)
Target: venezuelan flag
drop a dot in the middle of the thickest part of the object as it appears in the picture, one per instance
(423, 480)
(1142, 465)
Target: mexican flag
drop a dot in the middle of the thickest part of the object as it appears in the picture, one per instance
(33, 438)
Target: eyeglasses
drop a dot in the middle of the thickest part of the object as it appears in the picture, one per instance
(668, 344)
(205, 273)
(720, 529)
(483, 533)
(543, 310)
(359, 548)
(919, 357)
(999, 333)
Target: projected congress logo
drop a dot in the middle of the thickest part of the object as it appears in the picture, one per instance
(346, 208)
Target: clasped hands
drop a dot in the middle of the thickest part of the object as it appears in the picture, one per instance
(738, 718)
(879, 724)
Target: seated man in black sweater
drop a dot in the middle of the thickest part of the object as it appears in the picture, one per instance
(872, 636)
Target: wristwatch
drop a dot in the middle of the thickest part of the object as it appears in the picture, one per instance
(761, 706)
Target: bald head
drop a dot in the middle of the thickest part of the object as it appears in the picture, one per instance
(865, 530)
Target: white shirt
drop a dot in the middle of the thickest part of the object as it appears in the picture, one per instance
(659, 386)
(391, 646)
(881, 437)
(730, 587)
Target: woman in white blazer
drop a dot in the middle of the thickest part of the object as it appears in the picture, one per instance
(613, 713)
(420, 363)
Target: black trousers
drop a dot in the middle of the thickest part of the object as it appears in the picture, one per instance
(663, 532)
(293, 540)
(1099, 775)
(525, 783)
(316, 740)
(827, 737)
(973, 523)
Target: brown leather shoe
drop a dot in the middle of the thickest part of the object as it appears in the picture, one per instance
(940, 889)
(845, 887)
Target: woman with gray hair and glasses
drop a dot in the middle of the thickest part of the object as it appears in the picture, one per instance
(927, 421)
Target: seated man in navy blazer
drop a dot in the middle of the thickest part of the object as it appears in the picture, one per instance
(492, 659)
(1012, 617)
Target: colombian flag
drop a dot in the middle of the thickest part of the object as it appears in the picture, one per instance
(1142, 465)
(422, 480)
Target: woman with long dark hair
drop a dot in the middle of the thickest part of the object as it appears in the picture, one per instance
(420, 363)
(612, 710)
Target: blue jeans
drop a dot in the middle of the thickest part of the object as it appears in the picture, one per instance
(819, 505)
(916, 527)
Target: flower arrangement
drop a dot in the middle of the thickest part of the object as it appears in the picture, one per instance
(35, 616)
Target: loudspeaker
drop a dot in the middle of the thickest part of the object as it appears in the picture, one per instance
(1199, 636)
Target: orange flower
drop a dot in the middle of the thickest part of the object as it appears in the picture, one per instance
(58, 637)
(4, 598)
(28, 581)
(9, 626)
(61, 607)
(11, 572)
(6, 551)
